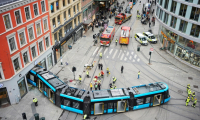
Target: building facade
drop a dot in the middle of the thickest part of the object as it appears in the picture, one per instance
(66, 24)
(179, 30)
(25, 42)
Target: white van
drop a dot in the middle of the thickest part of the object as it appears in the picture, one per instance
(141, 38)
(150, 37)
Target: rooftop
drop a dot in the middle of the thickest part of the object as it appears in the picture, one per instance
(4, 2)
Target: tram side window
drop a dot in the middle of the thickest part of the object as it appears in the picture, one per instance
(76, 105)
(139, 101)
(115, 105)
(45, 88)
(110, 105)
(66, 102)
(31, 77)
(105, 106)
(92, 107)
(148, 99)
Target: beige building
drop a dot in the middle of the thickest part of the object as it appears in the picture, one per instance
(66, 24)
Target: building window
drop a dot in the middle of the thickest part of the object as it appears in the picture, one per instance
(12, 44)
(54, 22)
(45, 25)
(160, 16)
(55, 37)
(58, 19)
(64, 15)
(183, 10)
(60, 34)
(161, 2)
(31, 33)
(57, 5)
(74, 22)
(195, 13)
(22, 87)
(35, 7)
(64, 3)
(68, 1)
(7, 21)
(199, 2)
(25, 57)
(65, 29)
(157, 11)
(89, 9)
(41, 46)
(18, 17)
(16, 64)
(33, 51)
(38, 28)
(183, 26)
(77, 7)
(52, 7)
(74, 9)
(195, 30)
(69, 13)
(191, 1)
(49, 60)
(166, 18)
(173, 6)
(78, 19)
(22, 38)
(43, 6)
(27, 13)
(47, 42)
(173, 22)
(166, 4)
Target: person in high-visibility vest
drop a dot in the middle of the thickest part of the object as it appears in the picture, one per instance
(116, 41)
(188, 87)
(95, 79)
(79, 78)
(193, 96)
(87, 73)
(187, 101)
(100, 55)
(35, 101)
(110, 85)
(107, 69)
(111, 88)
(115, 87)
(102, 73)
(114, 80)
(189, 92)
(195, 102)
(85, 116)
(95, 86)
(99, 77)
(138, 74)
(91, 86)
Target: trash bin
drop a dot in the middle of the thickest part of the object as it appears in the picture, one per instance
(24, 116)
(36, 115)
(138, 48)
(42, 118)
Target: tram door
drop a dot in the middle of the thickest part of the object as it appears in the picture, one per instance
(121, 106)
(51, 96)
(98, 108)
(157, 99)
(40, 85)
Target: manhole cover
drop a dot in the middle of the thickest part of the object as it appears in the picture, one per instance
(65, 79)
(195, 86)
(190, 78)
(180, 91)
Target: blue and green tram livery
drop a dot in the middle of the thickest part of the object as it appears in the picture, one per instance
(100, 101)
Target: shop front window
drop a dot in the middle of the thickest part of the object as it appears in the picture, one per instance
(183, 26)
(4, 99)
(42, 63)
(195, 30)
(49, 60)
(173, 22)
(58, 53)
(22, 87)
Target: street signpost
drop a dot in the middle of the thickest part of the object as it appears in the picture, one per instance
(151, 50)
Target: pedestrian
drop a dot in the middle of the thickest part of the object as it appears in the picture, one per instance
(110, 85)
(195, 102)
(187, 101)
(79, 78)
(188, 87)
(87, 73)
(138, 74)
(122, 68)
(84, 117)
(193, 96)
(152, 11)
(189, 93)
(116, 41)
(149, 24)
(100, 55)
(99, 86)
(114, 80)
(101, 66)
(102, 73)
(91, 86)
(95, 86)
(35, 101)
(115, 87)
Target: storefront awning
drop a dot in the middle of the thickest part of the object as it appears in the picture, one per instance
(87, 22)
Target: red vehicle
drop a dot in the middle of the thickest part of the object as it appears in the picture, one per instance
(125, 35)
(122, 17)
(107, 36)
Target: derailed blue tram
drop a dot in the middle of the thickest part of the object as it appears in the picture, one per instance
(97, 102)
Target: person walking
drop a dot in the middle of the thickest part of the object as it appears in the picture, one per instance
(79, 78)
(101, 66)
(149, 24)
(102, 73)
(195, 102)
(35, 101)
(91, 86)
(187, 101)
(138, 74)
(152, 11)
(193, 96)
(189, 92)
(99, 86)
(110, 85)
(115, 87)
(100, 55)
(95, 86)
(116, 41)
(188, 87)
(122, 68)
(107, 69)
(87, 73)
(114, 80)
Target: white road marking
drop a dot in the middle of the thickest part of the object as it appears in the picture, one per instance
(135, 56)
(132, 53)
(173, 68)
(95, 51)
(114, 54)
(105, 51)
(119, 53)
(138, 59)
(110, 51)
(107, 56)
(122, 56)
(133, 60)
(100, 49)
(127, 53)
(125, 59)
(130, 57)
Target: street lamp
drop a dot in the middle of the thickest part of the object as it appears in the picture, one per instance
(60, 53)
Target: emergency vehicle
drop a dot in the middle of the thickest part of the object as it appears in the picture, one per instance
(121, 18)
(125, 35)
(150, 37)
(107, 36)
(141, 38)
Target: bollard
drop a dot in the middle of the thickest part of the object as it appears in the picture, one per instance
(42, 118)
(24, 116)
(36, 115)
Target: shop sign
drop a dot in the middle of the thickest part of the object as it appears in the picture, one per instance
(169, 39)
(163, 34)
(1, 85)
(63, 43)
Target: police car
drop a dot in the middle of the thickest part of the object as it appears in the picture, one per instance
(150, 37)
(141, 38)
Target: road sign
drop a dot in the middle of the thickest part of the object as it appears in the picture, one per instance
(151, 49)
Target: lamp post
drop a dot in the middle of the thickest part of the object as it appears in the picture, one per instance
(60, 53)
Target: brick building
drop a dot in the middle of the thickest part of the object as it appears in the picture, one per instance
(25, 42)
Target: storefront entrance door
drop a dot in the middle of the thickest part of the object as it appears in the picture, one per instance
(4, 99)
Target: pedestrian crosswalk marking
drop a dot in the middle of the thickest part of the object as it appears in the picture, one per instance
(135, 56)
(125, 58)
(119, 53)
(132, 53)
(130, 57)
(127, 53)
(133, 60)
(138, 59)
(110, 51)
(122, 56)
(100, 49)
(107, 56)
(95, 51)
(114, 54)
(105, 51)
